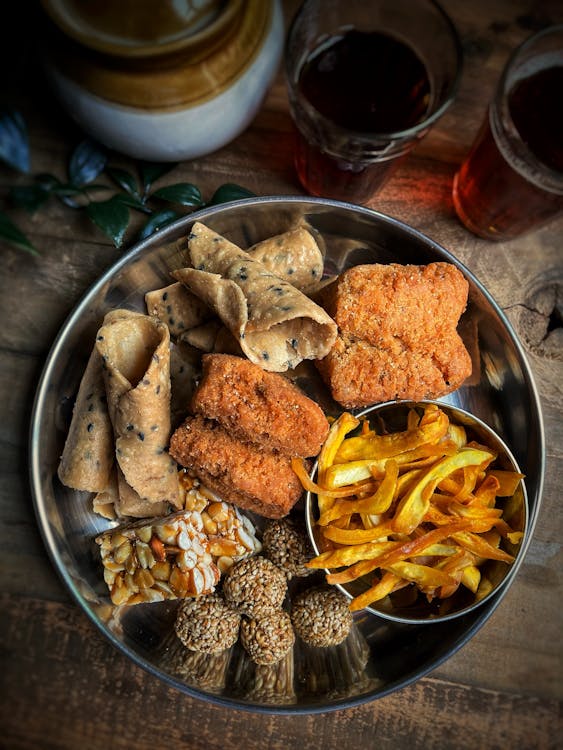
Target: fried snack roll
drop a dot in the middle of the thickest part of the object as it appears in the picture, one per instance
(244, 474)
(293, 256)
(178, 308)
(258, 406)
(87, 457)
(135, 350)
(397, 335)
(276, 325)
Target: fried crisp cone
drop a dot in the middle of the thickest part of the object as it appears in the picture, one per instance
(276, 325)
(87, 458)
(397, 333)
(135, 349)
(244, 474)
(258, 406)
(293, 256)
(178, 308)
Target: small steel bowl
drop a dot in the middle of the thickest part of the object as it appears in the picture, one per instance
(409, 605)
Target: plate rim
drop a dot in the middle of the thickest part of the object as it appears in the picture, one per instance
(171, 233)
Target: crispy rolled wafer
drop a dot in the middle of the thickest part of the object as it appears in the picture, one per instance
(87, 457)
(178, 308)
(135, 349)
(276, 325)
(293, 256)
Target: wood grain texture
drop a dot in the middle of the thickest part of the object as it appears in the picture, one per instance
(62, 685)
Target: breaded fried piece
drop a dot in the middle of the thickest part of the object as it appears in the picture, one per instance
(397, 333)
(241, 473)
(258, 406)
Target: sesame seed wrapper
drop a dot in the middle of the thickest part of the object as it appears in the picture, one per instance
(135, 350)
(88, 454)
(276, 325)
(180, 310)
(294, 256)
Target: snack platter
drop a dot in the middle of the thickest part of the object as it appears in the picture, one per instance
(378, 656)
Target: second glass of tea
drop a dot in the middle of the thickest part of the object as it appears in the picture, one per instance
(366, 81)
(512, 179)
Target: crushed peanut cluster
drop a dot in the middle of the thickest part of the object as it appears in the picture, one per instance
(151, 561)
(180, 555)
(231, 535)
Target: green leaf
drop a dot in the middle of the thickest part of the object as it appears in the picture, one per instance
(87, 161)
(14, 236)
(183, 193)
(14, 145)
(152, 171)
(29, 197)
(47, 181)
(230, 192)
(157, 221)
(112, 217)
(133, 201)
(124, 179)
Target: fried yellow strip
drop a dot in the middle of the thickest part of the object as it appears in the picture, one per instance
(475, 511)
(357, 536)
(389, 582)
(479, 546)
(470, 577)
(373, 504)
(298, 466)
(339, 475)
(388, 446)
(422, 575)
(349, 555)
(345, 423)
(413, 506)
(457, 434)
(508, 481)
(410, 548)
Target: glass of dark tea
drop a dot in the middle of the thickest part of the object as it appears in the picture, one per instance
(512, 180)
(366, 81)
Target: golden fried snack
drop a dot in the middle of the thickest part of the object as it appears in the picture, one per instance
(135, 350)
(244, 474)
(258, 406)
(417, 507)
(276, 325)
(293, 256)
(175, 306)
(397, 333)
(87, 458)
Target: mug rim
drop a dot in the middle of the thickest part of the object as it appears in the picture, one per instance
(414, 131)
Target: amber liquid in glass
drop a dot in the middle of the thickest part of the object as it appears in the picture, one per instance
(495, 200)
(364, 82)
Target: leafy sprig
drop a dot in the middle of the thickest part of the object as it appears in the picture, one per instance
(89, 162)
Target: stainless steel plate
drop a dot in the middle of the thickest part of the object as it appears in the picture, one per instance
(379, 657)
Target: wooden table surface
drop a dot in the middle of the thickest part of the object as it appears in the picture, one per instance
(63, 685)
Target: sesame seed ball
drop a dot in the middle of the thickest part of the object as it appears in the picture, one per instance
(268, 639)
(255, 586)
(321, 616)
(207, 624)
(286, 544)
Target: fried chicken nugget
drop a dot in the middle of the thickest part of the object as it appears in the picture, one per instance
(397, 334)
(247, 475)
(259, 407)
